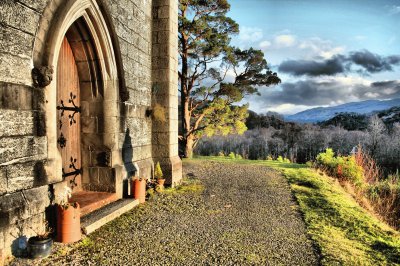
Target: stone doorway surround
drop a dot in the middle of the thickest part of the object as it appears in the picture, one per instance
(81, 21)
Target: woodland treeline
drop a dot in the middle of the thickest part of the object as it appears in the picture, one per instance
(269, 136)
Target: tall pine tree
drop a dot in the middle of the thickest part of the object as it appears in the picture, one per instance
(213, 75)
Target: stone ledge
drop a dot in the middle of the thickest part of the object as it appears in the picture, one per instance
(96, 219)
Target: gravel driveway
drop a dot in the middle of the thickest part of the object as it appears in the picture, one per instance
(244, 216)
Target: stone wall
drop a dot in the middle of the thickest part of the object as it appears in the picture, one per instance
(131, 20)
(143, 58)
(23, 147)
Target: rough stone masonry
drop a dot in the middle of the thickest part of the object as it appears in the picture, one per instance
(125, 54)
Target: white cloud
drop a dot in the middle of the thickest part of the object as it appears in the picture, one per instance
(372, 95)
(288, 108)
(265, 44)
(292, 97)
(250, 34)
(319, 47)
(284, 40)
(388, 91)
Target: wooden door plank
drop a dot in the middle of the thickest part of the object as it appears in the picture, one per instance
(67, 83)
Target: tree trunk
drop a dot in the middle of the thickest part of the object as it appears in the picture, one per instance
(189, 143)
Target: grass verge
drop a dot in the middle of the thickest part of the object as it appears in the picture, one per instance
(343, 231)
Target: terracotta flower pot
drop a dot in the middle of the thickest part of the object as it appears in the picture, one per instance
(68, 223)
(139, 189)
(161, 182)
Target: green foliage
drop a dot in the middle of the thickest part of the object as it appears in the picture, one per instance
(232, 155)
(310, 164)
(385, 197)
(150, 192)
(239, 157)
(327, 158)
(222, 119)
(282, 159)
(188, 185)
(351, 171)
(343, 167)
(158, 174)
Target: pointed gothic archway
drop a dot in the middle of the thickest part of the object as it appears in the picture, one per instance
(82, 121)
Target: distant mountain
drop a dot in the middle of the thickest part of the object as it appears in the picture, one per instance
(324, 113)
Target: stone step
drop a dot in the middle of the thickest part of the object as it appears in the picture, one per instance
(100, 217)
(90, 201)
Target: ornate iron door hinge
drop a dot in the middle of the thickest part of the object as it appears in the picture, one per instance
(74, 108)
(75, 173)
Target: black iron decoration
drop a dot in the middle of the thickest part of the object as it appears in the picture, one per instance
(75, 173)
(62, 141)
(75, 109)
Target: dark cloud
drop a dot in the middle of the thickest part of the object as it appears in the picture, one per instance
(367, 62)
(313, 68)
(372, 63)
(313, 92)
(392, 84)
(394, 59)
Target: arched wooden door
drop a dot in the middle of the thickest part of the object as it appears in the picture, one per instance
(68, 116)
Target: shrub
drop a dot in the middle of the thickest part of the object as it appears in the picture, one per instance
(231, 155)
(342, 167)
(327, 160)
(221, 154)
(238, 156)
(362, 171)
(279, 159)
(310, 164)
(350, 170)
(372, 172)
(385, 197)
(269, 158)
(158, 174)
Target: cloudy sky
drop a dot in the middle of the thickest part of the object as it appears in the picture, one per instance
(327, 52)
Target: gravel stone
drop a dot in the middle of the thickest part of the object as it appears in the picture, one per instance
(246, 215)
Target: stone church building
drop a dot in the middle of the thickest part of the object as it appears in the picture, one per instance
(79, 83)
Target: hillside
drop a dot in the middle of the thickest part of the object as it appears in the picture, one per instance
(354, 121)
(324, 113)
(391, 115)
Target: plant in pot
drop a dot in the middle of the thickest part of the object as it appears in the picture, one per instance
(158, 174)
(68, 218)
(39, 246)
(139, 189)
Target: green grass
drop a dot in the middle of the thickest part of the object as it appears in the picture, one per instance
(343, 232)
(187, 185)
